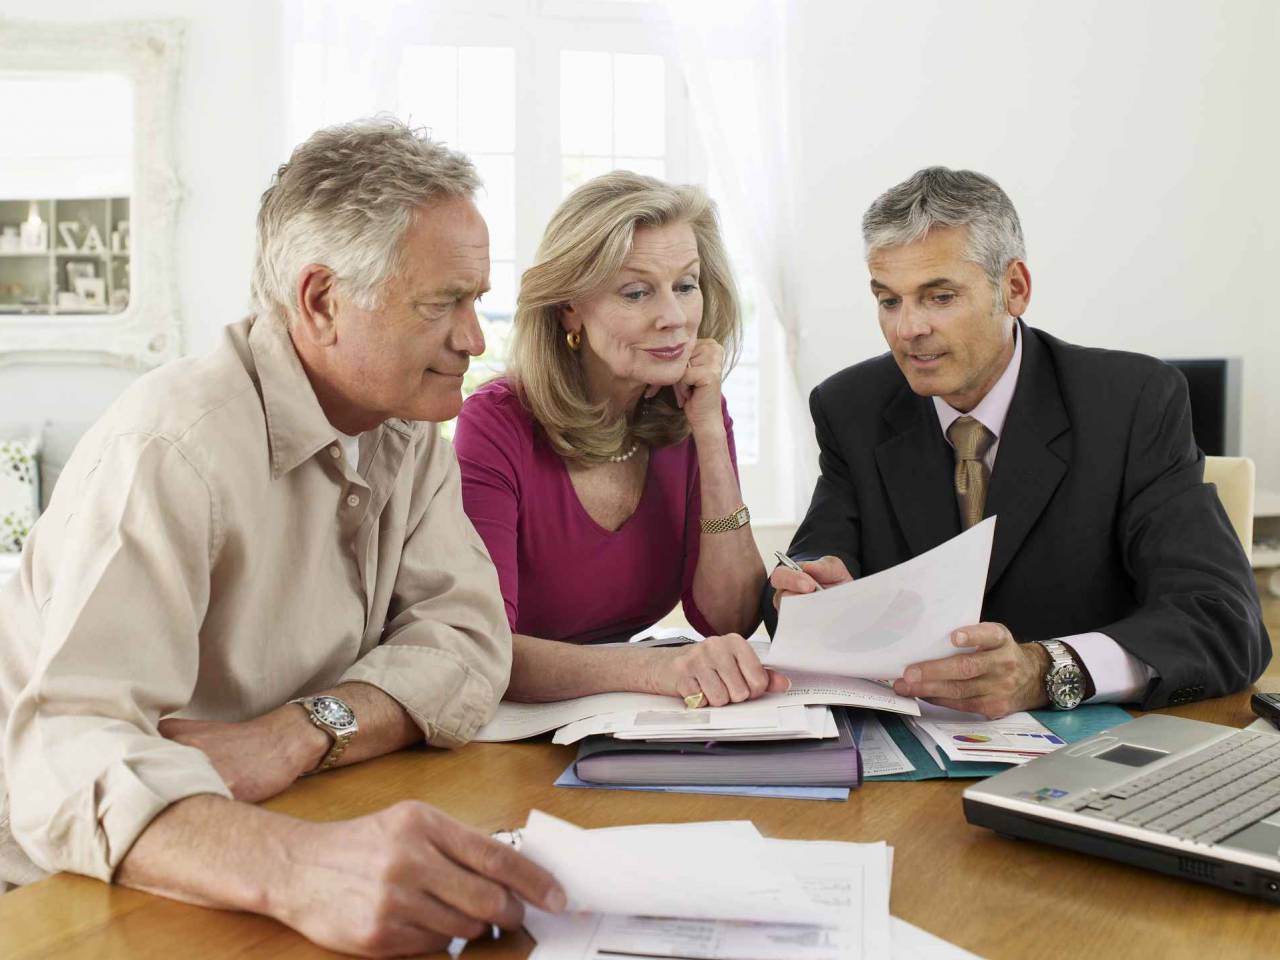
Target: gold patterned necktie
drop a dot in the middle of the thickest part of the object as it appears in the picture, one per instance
(971, 441)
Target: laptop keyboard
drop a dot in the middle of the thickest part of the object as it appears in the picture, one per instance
(1205, 797)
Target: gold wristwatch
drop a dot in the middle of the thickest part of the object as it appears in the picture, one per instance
(739, 518)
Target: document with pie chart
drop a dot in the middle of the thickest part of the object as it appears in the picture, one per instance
(876, 626)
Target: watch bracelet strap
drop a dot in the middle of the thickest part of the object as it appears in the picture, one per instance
(336, 749)
(1089, 688)
(1060, 652)
(725, 524)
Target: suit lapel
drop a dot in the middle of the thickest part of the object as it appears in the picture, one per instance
(918, 471)
(1028, 466)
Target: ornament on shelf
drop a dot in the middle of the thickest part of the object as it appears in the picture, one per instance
(93, 241)
(69, 232)
(35, 232)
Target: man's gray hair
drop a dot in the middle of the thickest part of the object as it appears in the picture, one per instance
(937, 196)
(344, 200)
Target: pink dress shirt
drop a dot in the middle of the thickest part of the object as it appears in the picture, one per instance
(563, 576)
(1118, 676)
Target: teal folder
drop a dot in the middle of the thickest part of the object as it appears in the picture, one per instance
(1071, 725)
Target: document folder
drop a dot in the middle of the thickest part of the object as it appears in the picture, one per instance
(833, 762)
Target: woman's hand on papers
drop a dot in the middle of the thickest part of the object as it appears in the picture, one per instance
(997, 675)
(402, 881)
(725, 669)
(824, 572)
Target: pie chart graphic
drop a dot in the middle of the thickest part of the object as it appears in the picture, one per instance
(971, 738)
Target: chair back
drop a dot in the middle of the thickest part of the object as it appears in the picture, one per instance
(1233, 478)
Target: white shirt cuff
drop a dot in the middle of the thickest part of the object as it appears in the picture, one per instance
(1118, 676)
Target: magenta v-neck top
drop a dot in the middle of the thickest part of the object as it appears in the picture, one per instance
(563, 576)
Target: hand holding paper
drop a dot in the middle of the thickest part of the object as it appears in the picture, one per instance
(719, 871)
(877, 626)
(988, 673)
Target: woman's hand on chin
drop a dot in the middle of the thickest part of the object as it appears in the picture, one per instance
(698, 391)
(724, 669)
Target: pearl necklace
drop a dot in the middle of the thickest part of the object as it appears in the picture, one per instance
(623, 457)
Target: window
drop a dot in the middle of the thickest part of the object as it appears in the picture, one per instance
(467, 96)
(542, 95)
(612, 115)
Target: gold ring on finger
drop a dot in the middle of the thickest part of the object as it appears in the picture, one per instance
(694, 700)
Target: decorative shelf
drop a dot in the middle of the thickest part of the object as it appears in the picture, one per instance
(45, 275)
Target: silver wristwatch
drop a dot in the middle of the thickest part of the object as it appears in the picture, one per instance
(1065, 682)
(335, 718)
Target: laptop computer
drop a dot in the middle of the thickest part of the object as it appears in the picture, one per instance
(1190, 799)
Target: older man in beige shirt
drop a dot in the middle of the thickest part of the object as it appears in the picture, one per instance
(273, 522)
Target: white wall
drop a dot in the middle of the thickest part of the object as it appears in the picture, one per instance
(1136, 137)
(227, 136)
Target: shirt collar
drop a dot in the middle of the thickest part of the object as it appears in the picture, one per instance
(296, 425)
(297, 428)
(994, 407)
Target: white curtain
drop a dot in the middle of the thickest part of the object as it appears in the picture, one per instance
(733, 54)
(341, 59)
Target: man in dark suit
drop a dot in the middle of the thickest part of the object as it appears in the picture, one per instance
(1115, 573)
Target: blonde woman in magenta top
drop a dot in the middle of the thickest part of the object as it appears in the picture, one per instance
(600, 471)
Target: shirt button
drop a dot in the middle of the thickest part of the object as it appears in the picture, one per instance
(335, 452)
(353, 501)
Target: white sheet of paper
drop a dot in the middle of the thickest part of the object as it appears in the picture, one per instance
(880, 755)
(796, 722)
(666, 633)
(912, 943)
(661, 871)
(850, 879)
(876, 626)
(569, 938)
(1016, 738)
(836, 691)
(515, 721)
(740, 721)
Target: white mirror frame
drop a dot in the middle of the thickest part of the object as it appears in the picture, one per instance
(147, 332)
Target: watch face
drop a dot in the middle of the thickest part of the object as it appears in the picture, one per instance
(741, 516)
(1066, 686)
(333, 712)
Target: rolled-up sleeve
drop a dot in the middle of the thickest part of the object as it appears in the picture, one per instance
(445, 655)
(87, 770)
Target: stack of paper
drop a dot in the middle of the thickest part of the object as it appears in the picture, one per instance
(965, 737)
(516, 721)
(717, 891)
(739, 721)
(708, 890)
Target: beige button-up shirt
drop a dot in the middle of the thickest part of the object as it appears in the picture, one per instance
(210, 553)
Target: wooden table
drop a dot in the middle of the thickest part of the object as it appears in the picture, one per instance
(996, 897)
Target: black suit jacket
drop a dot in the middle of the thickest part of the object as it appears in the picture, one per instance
(1104, 521)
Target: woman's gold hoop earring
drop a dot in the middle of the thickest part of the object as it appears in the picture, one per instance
(574, 339)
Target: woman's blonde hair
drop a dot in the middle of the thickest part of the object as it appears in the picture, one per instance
(583, 250)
